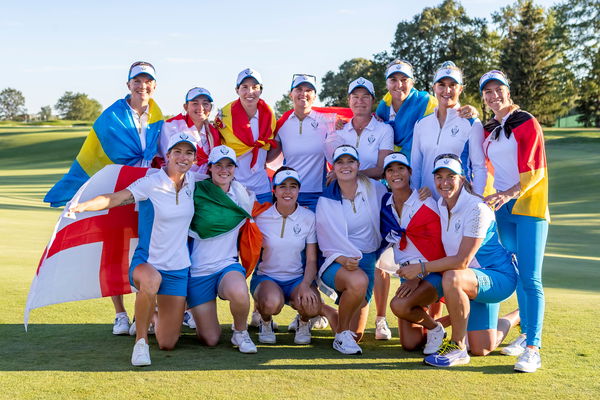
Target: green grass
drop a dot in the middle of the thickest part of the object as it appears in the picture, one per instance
(69, 351)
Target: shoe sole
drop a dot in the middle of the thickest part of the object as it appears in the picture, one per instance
(461, 361)
(301, 342)
(348, 354)
(527, 371)
(121, 333)
(267, 341)
(511, 353)
(383, 338)
(141, 364)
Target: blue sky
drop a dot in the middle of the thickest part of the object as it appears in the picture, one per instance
(50, 47)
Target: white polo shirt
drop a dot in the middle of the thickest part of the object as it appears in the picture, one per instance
(178, 126)
(284, 240)
(212, 255)
(504, 158)
(141, 123)
(376, 136)
(429, 141)
(255, 178)
(164, 219)
(303, 147)
(409, 209)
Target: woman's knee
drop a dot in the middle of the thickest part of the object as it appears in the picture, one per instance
(270, 304)
(210, 339)
(357, 282)
(167, 343)
(452, 280)
(400, 306)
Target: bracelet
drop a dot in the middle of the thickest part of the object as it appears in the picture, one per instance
(423, 272)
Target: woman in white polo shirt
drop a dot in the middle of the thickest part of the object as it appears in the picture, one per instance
(160, 265)
(348, 235)
(288, 267)
(444, 131)
(215, 269)
(372, 138)
(478, 273)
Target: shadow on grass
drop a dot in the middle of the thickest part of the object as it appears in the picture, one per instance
(92, 347)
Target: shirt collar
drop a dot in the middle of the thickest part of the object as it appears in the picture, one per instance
(166, 179)
(370, 126)
(292, 217)
(463, 199)
(311, 115)
(135, 112)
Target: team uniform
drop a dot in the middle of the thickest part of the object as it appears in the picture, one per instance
(164, 220)
(349, 228)
(205, 141)
(284, 243)
(515, 148)
(460, 136)
(214, 257)
(375, 137)
(493, 266)
(303, 147)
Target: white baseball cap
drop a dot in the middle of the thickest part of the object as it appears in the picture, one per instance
(362, 82)
(299, 79)
(345, 149)
(248, 73)
(395, 157)
(281, 176)
(494, 75)
(452, 163)
(401, 67)
(181, 137)
(197, 91)
(220, 152)
(448, 70)
(144, 68)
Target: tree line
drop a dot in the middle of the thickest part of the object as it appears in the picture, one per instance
(551, 56)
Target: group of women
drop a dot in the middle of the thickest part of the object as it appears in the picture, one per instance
(407, 182)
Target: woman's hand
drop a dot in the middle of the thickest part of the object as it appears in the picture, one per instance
(409, 271)
(407, 287)
(339, 124)
(424, 193)
(348, 263)
(306, 296)
(78, 208)
(498, 199)
(468, 112)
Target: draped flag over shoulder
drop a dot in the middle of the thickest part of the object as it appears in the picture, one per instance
(113, 139)
(531, 160)
(215, 214)
(417, 104)
(234, 127)
(88, 257)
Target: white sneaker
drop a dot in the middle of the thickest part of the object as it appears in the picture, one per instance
(141, 354)
(319, 322)
(529, 361)
(303, 333)
(293, 326)
(121, 326)
(516, 347)
(188, 320)
(132, 331)
(265, 332)
(241, 340)
(344, 343)
(255, 320)
(435, 337)
(382, 331)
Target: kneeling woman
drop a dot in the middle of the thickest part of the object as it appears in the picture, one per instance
(348, 235)
(478, 273)
(289, 260)
(161, 261)
(221, 208)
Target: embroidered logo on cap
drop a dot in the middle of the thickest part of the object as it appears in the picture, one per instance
(446, 161)
(360, 81)
(223, 150)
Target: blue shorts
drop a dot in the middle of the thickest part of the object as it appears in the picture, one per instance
(173, 283)
(366, 263)
(202, 289)
(309, 200)
(265, 197)
(287, 287)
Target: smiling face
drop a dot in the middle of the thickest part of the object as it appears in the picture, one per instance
(222, 172)
(447, 91)
(303, 96)
(360, 101)
(249, 92)
(346, 168)
(448, 183)
(397, 176)
(180, 158)
(287, 192)
(399, 86)
(198, 109)
(142, 88)
(496, 96)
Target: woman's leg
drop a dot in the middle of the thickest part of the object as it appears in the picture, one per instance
(459, 287)
(147, 279)
(234, 289)
(170, 318)
(353, 286)
(208, 329)
(359, 320)
(268, 298)
(306, 310)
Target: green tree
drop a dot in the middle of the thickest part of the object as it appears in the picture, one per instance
(533, 55)
(588, 103)
(45, 113)
(78, 106)
(334, 90)
(282, 105)
(12, 104)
